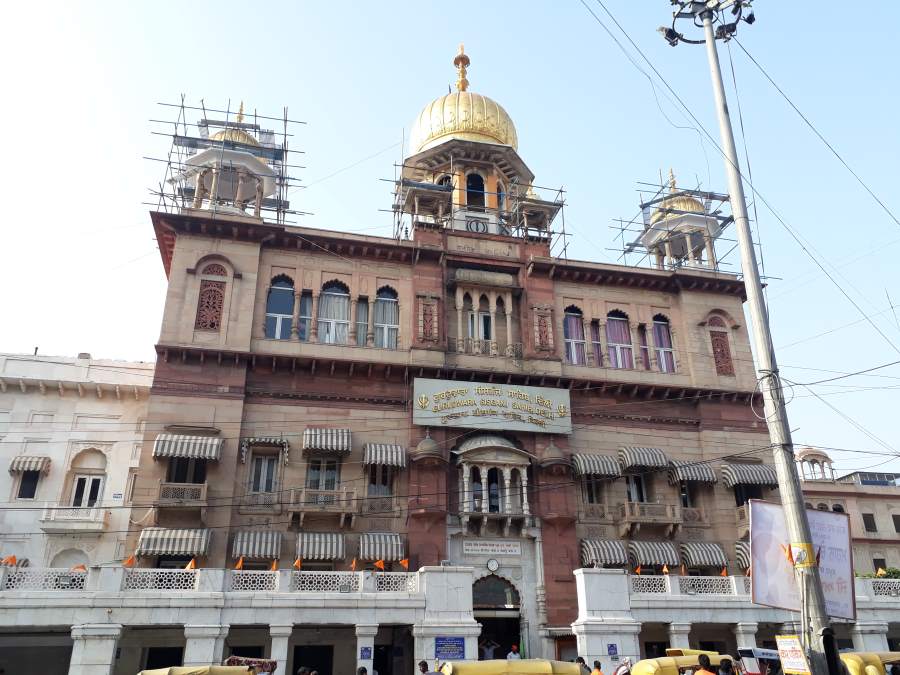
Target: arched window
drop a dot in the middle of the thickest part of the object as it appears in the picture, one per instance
(837, 508)
(573, 335)
(822, 507)
(334, 313)
(662, 343)
(475, 192)
(618, 338)
(211, 298)
(445, 181)
(718, 336)
(387, 319)
(280, 308)
(501, 197)
(492, 592)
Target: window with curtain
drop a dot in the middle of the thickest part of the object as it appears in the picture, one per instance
(618, 340)
(304, 323)
(644, 346)
(381, 480)
(323, 474)
(280, 308)
(573, 336)
(362, 321)
(334, 314)
(596, 344)
(662, 343)
(387, 319)
(593, 489)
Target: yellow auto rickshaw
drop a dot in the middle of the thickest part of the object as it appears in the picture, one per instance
(681, 660)
(201, 670)
(511, 667)
(869, 663)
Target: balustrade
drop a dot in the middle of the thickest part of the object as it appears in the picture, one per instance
(160, 580)
(649, 584)
(890, 587)
(341, 500)
(252, 581)
(45, 579)
(173, 494)
(58, 519)
(396, 582)
(327, 582)
(706, 585)
(476, 347)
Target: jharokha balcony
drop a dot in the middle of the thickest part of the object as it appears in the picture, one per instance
(68, 520)
(634, 515)
(493, 348)
(341, 502)
(181, 495)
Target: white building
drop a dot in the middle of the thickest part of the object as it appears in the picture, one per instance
(69, 436)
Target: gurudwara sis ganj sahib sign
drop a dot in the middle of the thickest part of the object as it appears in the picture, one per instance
(480, 405)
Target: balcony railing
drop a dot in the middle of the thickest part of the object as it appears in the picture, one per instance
(160, 580)
(691, 515)
(61, 520)
(341, 502)
(252, 581)
(475, 347)
(633, 515)
(45, 579)
(665, 584)
(591, 512)
(181, 494)
(385, 505)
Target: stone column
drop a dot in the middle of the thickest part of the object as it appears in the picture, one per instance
(495, 313)
(351, 333)
(679, 635)
(199, 189)
(467, 488)
(295, 319)
(604, 347)
(587, 347)
(214, 187)
(281, 636)
(204, 644)
(238, 202)
(507, 491)
(314, 322)
(257, 204)
(669, 258)
(710, 251)
(365, 646)
(508, 306)
(94, 648)
(870, 636)
(745, 634)
(485, 489)
(523, 476)
(370, 336)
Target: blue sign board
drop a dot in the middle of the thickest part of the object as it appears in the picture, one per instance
(365, 653)
(612, 649)
(450, 648)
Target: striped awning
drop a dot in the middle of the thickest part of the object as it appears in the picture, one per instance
(652, 553)
(742, 554)
(266, 442)
(648, 458)
(257, 545)
(690, 472)
(598, 552)
(163, 541)
(596, 465)
(703, 554)
(319, 441)
(191, 447)
(385, 454)
(29, 463)
(320, 546)
(749, 474)
(385, 546)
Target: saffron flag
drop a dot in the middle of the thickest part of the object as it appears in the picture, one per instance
(298, 564)
(637, 570)
(9, 560)
(239, 565)
(79, 568)
(683, 570)
(353, 565)
(788, 553)
(665, 569)
(724, 572)
(192, 565)
(405, 563)
(881, 572)
(379, 564)
(129, 561)
(274, 567)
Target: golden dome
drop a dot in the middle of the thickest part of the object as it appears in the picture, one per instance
(235, 135)
(679, 203)
(464, 115)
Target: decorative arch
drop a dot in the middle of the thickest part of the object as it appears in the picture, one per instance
(494, 591)
(211, 259)
(717, 324)
(475, 190)
(214, 273)
(723, 315)
(89, 459)
(387, 291)
(69, 558)
(335, 286)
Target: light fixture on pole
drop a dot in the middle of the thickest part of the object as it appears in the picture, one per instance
(818, 636)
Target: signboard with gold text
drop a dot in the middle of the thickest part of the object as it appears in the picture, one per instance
(495, 407)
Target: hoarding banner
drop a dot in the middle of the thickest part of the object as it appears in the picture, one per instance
(793, 658)
(772, 553)
(495, 407)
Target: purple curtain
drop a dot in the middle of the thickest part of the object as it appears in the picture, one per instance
(573, 334)
(618, 335)
(662, 337)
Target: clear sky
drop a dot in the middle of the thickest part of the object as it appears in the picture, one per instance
(78, 263)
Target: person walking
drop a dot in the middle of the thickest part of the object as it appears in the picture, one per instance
(514, 653)
(726, 667)
(624, 667)
(597, 669)
(705, 667)
(423, 667)
(581, 664)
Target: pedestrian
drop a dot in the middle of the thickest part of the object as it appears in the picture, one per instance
(423, 667)
(303, 670)
(361, 671)
(726, 667)
(597, 669)
(584, 668)
(514, 652)
(624, 667)
(705, 667)
(488, 647)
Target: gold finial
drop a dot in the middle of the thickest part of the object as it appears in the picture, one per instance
(461, 62)
(671, 180)
(240, 115)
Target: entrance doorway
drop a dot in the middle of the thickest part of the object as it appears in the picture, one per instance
(496, 605)
(315, 657)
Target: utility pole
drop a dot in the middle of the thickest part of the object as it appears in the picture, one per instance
(818, 637)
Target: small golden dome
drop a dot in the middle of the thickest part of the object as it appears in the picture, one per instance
(235, 135)
(680, 203)
(464, 115)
